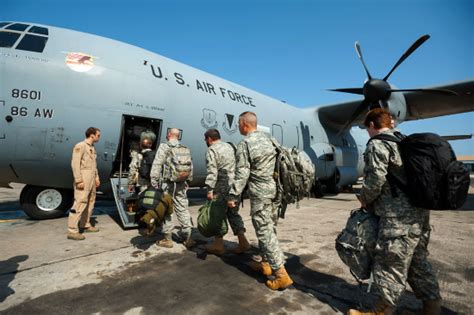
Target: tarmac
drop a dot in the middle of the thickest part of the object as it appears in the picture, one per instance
(117, 271)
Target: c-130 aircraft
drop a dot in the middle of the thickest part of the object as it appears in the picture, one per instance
(55, 83)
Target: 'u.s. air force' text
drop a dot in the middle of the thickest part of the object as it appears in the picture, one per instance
(202, 86)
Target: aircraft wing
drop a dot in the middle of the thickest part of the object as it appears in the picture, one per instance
(420, 105)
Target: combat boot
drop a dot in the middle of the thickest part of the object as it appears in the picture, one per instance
(189, 242)
(217, 247)
(243, 244)
(262, 267)
(431, 307)
(91, 229)
(282, 280)
(167, 242)
(75, 236)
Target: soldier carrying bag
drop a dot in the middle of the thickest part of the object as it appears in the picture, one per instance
(437, 180)
(294, 175)
(355, 245)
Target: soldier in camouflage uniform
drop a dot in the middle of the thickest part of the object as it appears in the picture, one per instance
(256, 157)
(135, 181)
(402, 245)
(220, 161)
(160, 180)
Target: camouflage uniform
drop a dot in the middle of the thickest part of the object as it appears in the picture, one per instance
(402, 245)
(160, 179)
(256, 163)
(134, 178)
(220, 161)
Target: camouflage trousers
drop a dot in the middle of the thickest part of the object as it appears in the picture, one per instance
(264, 217)
(235, 220)
(401, 256)
(180, 208)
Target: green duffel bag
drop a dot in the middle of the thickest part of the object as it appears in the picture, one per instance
(212, 220)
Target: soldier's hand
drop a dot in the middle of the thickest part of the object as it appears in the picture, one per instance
(97, 183)
(130, 188)
(80, 186)
(210, 195)
(231, 203)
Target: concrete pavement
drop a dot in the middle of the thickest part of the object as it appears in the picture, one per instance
(122, 272)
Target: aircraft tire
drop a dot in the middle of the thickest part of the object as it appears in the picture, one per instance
(317, 189)
(41, 203)
(332, 184)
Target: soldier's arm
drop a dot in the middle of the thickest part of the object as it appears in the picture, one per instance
(376, 168)
(156, 168)
(77, 153)
(242, 171)
(190, 177)
(211, 164)
(97, 179)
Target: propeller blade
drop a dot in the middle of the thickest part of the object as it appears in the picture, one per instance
(441, 91)
(360, 108)
(359, 91)
(359, 53)
(407, 53)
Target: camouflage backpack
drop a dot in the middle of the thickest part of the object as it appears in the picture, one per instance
(294, 175)
(180, 163)
(356, 243)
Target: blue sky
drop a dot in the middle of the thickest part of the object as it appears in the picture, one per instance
(289, 50)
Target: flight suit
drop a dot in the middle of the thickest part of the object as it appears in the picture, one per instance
(220, 162)
(256, 158)
(84, 169)
(402, 247)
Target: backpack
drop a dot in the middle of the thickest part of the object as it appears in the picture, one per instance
(146, 164)
(437, 180)
(212, 220)
(154, 205)
(355, 244)
(294, 175)
(180, 163)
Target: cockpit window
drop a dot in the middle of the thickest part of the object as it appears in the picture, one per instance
(18, 27)
(38, 30)
(15, 35)
(8, 39)
(32, 43)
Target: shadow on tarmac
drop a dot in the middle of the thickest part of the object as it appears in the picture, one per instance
(9, 269)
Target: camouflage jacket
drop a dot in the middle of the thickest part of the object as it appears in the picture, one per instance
(134, 167)
(160, 169)
(380, 157)
(220, 162)
(256, 157)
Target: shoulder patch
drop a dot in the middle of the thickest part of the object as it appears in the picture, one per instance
(77, 149)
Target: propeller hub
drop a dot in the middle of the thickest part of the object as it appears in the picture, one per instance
(376, 90)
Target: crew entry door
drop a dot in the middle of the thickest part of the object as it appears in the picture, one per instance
(133, 127)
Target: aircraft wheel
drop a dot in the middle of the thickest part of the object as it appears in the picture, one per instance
(332, 186)
(317, 189)
(44, 202)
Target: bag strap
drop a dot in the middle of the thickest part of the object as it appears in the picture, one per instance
(393, 180)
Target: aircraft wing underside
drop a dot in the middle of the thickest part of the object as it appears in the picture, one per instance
(420, 105)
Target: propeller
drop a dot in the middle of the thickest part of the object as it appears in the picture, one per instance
(376, 91)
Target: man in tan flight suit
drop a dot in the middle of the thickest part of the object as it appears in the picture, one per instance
(86, 180)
